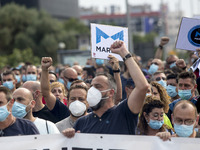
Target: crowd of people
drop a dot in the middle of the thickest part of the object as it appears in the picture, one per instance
(161, 99)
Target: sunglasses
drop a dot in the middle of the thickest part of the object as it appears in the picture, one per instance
(159, 78)
(155, 63)
(70, 79)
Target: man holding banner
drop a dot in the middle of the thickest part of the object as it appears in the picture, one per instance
(107, 118)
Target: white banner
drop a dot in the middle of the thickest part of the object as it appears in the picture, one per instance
(102, 36)
(96, 141)
(189, 34)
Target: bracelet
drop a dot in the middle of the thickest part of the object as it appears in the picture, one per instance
(127, 56)
(160, 46)
(116, 71)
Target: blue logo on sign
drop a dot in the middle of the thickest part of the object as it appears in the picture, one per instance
(100, 33)
(194, 36)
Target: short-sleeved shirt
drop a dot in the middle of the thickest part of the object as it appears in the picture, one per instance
(116, 120)
(60, 110)
(45, 114)
(65, 123)
(20, 127)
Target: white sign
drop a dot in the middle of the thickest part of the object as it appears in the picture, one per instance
(102, 36)
(96, 141)
(189, 34)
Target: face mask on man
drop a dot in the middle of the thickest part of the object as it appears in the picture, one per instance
(9, 84)
(68, 85)
(183, 130)
(18, 78)
(24, 78)
(172, 65)
(163, 83)
(61, 80)
(19, 110)
(171, 91)
(155, 124)
(153, 68)
(31, 77)
(185, 94)
(94, 96)
(4, 113)
(77, 108)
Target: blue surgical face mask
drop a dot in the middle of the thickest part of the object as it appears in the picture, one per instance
(79, 77)
(4, 113)
(24, 78)
(163, 83)
(9, 84)
(99, 61)
(155, 124)
(68, 85)
(153, 68)
(31, 77)
(19, 110)
(183, 130)
(61, 80)
(185, 94)
(171, 91)
(172, 65)
(18, 78)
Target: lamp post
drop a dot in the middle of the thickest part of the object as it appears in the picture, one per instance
(130, 36)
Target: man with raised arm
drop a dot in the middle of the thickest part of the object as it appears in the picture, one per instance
(106, 117)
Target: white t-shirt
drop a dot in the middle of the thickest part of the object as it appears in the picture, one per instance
(45, 126)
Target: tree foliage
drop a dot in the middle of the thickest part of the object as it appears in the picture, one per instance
(25, 30)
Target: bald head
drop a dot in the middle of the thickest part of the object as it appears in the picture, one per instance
(70, 73)
(186, 106)
(22, 94)
(78, 69)
(32, 86)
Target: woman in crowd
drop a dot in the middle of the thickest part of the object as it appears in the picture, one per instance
(58, 91)
(151, 119)
(160, 93)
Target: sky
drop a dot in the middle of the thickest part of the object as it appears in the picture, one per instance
(189, 7)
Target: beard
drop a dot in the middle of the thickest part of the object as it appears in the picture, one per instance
(100, 104)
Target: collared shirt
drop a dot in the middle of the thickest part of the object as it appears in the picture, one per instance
(116, 120)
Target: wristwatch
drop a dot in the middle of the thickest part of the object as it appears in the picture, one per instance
(127, 56)
(116, 71)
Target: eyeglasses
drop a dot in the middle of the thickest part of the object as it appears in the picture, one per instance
(159, 78)
(187, 122)
(70, 79)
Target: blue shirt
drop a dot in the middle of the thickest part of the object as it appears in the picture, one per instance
(116, 120)
(20, 127)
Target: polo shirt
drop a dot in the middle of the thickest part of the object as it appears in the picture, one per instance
(116, 120)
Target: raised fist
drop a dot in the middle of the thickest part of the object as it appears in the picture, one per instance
(164, 41)
(46, 62)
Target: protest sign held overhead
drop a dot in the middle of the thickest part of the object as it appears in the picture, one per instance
(189, 34)
(102, 36)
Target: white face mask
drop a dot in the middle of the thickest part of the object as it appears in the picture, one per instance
(77, 108)
(94, 96)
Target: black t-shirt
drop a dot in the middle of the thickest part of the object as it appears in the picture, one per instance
(46, 114)
(116, 120)
(60, 110)
(20, 127)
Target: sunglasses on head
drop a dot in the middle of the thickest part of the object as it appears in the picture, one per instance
(159, 78)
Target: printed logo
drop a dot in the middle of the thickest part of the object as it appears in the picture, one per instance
(100, 33)
(194, 36)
